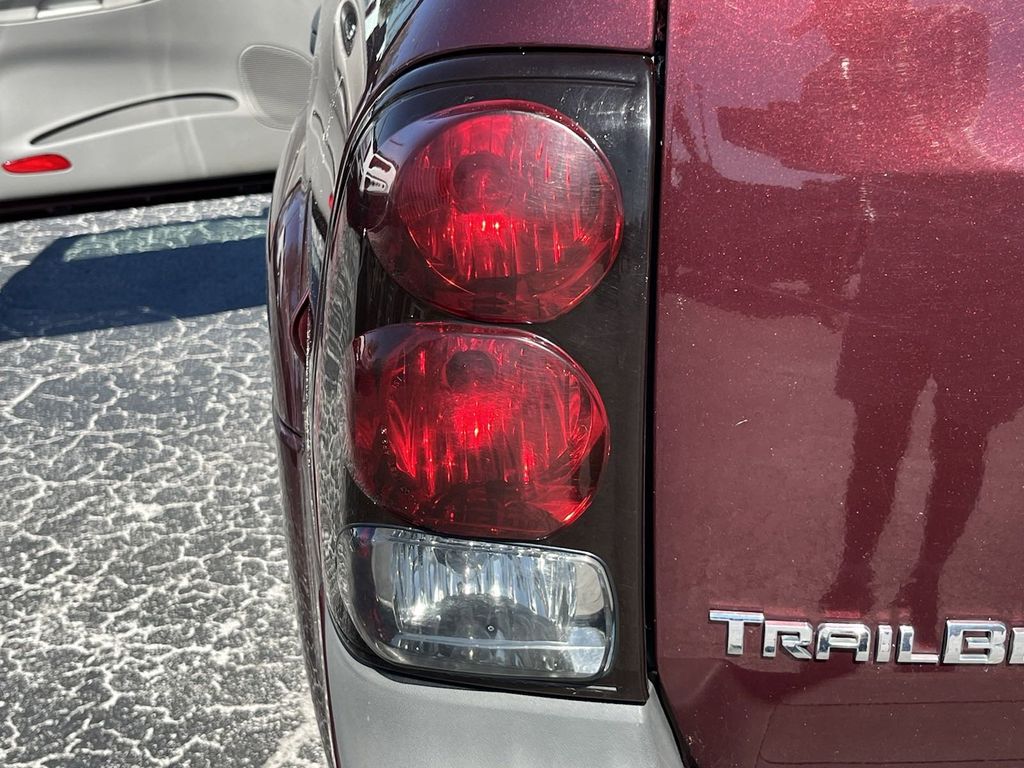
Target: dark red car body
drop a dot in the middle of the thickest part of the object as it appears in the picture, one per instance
(838, 352)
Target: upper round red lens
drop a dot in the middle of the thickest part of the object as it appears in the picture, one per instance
(477, 432)
(515, 214)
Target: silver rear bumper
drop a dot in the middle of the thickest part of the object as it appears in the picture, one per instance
(380, 721)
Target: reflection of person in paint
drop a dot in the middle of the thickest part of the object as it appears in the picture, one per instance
(940, 234)
(899, 94)
(919, 242)
(940, 272)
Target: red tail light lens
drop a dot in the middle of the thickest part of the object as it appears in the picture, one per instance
(38, 164)
(514, 214)
(479, 432)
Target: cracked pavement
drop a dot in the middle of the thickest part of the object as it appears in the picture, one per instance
(146, 613)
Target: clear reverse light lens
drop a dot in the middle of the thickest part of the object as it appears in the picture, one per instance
(477, 607)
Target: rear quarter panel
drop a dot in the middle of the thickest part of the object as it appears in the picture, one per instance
(840, 368)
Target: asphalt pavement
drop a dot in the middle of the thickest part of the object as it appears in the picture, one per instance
(145, 612)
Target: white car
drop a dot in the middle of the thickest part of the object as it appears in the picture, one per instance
(122, 94)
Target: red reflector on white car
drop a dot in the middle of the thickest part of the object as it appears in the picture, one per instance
(47, 163)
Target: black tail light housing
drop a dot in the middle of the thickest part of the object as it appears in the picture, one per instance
(478, 373)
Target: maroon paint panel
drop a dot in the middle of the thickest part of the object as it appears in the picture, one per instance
(840, 371)
(443, 27)
(288, 281)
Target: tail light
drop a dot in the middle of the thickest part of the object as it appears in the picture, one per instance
(501, 210)
(480, 486)
(475, 431)
(481, 608)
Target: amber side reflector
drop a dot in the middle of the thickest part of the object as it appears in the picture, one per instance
(38, 164)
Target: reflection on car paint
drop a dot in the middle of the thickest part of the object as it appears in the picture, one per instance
(843, 183)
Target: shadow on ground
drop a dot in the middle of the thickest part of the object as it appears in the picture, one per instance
(143, 275)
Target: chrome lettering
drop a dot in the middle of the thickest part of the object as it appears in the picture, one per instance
(967, 642)
(842, 636)
(795, 637)
(975, 642)
(883, 652)
(907, 654)
(1017, 653)
(736, 621)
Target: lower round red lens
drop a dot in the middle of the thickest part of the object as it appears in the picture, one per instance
(479, 432)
